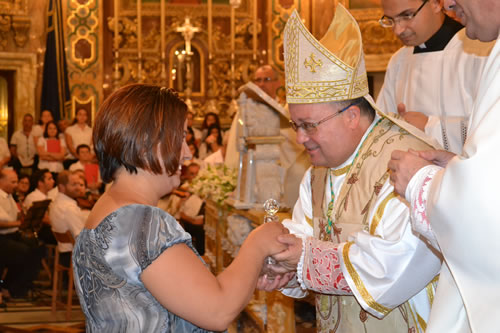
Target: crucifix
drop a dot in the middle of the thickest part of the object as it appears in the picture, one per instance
(188, 30)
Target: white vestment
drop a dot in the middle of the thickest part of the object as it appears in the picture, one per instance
(393, 264)
(462, 211)
(440, 84)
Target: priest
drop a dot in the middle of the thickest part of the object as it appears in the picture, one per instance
(433, 79)
(454, 199)
(293, 159)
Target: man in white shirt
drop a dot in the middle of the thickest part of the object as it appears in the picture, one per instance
(44, 183)
(44, 190)
(433, 79)
(25, 144)
(454, 199)
(19, 257)
(65, 215)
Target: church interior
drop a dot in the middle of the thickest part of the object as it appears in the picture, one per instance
(205, 50)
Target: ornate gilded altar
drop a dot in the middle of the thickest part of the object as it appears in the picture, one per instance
(108, 45)
(208, 49)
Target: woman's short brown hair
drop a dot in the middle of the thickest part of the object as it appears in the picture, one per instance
(131, 123)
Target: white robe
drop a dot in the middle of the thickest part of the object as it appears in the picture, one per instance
(440, 84)
(462, 209)
(392, 252)
(293, 158)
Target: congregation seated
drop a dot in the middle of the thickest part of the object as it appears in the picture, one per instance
(65, 214)
(90, 169)
(44, 190)
(20, 255)
(22, 190)
(88, 198)
(43, 181)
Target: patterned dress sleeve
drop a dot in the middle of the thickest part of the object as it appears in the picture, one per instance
(156, 232)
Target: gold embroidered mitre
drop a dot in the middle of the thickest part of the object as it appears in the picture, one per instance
(332, 69)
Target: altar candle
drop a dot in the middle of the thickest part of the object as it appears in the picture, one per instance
(139, 40)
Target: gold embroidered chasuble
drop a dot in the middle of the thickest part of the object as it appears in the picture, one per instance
(350, 214)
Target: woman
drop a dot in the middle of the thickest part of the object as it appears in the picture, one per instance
(76, 134)
(135, 267)
(51, 149)
(22, 189)
(211, 143)
(39, 129)
(209, 120)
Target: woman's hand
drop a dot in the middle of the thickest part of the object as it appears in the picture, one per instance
(265, 238)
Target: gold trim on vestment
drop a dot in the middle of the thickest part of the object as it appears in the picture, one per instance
(341, 171)
(359, 283)
(430, 290)
(380, 212)
(422, 323)
(309, 220)
(413, 312)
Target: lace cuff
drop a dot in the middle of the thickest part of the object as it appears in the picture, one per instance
(321, 270)
(300, 265)
(417, 193)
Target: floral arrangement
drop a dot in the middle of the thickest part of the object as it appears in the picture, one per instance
(215, 183)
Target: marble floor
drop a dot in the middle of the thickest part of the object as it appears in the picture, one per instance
(34, 314)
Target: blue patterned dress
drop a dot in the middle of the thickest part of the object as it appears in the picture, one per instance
(108, 261)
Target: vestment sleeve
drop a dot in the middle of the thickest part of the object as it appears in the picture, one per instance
(417, 192)
(321, 269)
(301, 224)
(386, 99)
(450, 132)
(387, 264)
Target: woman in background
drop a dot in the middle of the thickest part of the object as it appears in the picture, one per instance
(211, 143)
(77, 134)
(51, 149)
(39, 129)
(22, 190)
(135, 267)
(209, 120)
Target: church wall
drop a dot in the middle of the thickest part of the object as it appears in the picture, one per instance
(90, 36)
(22, 41)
